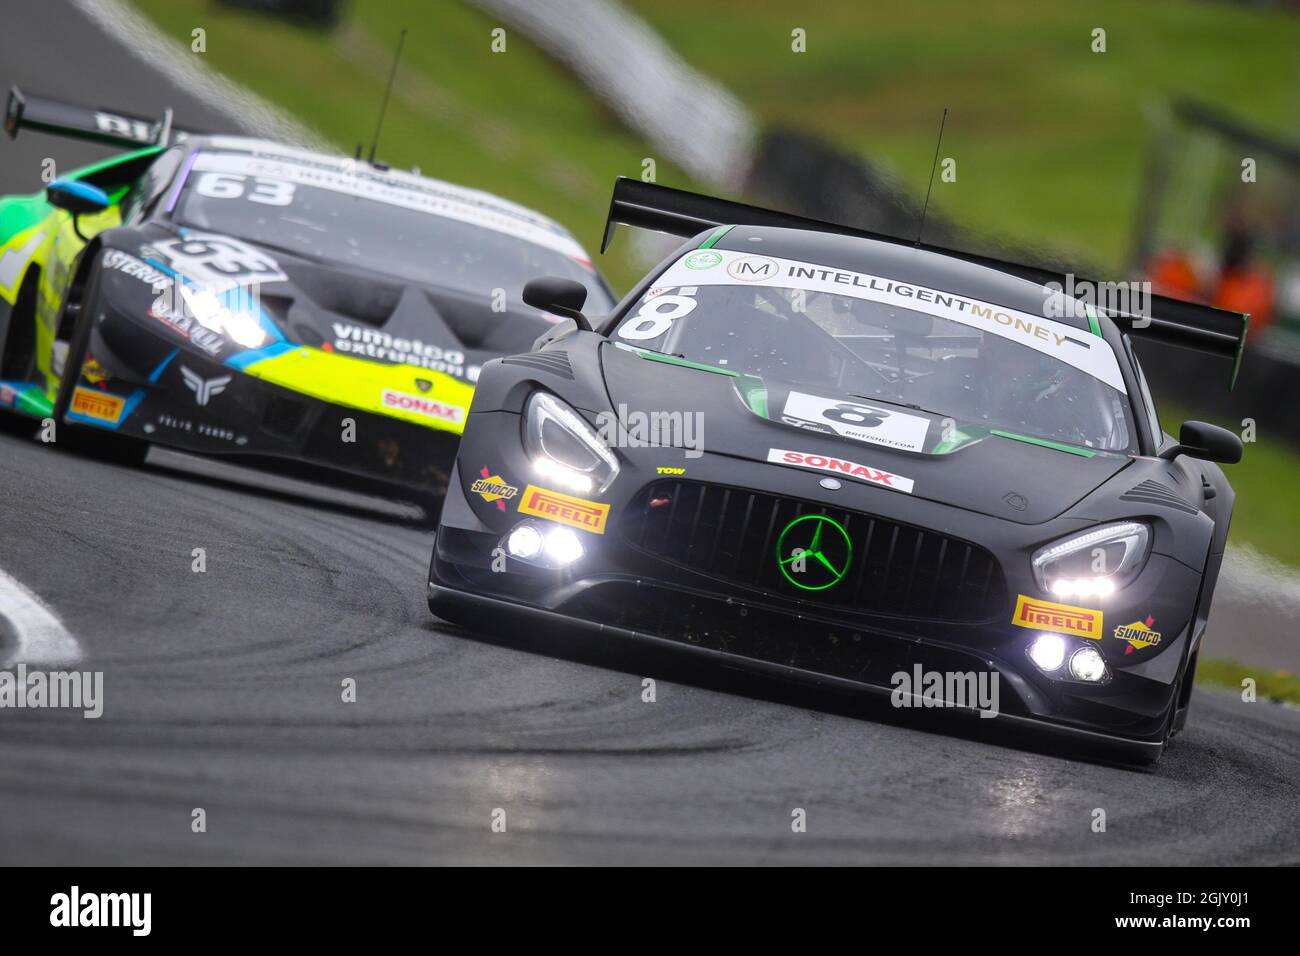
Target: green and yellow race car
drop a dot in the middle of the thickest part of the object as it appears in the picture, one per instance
(224, 295)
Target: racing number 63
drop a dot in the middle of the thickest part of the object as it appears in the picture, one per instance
(269, 192)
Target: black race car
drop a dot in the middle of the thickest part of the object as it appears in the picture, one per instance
(312, 313)
(836, 456)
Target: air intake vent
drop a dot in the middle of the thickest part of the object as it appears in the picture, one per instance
(557, 363)
(1154, 493)
(896, 569)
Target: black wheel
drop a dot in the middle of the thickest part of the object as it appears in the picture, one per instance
(87, 439)
(18, 358)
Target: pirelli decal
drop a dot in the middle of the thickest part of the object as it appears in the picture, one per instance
(1062, 618)
(97, 405)
(575, 512)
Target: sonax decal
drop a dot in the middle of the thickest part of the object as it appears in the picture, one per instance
(424, 406)
(839, 466)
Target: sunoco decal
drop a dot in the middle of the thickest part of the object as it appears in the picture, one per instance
(1139, 634)
(492, 487)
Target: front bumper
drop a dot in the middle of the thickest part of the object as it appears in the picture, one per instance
(503, 615)
(138, 384)
(622, 592)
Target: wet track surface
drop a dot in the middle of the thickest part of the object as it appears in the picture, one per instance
(223, 690)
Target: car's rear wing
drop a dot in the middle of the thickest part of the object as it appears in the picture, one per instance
(25, 111)
(1162, 319)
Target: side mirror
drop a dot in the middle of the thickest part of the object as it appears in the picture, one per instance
(76, 197)
(1207, 442)
(559, 297)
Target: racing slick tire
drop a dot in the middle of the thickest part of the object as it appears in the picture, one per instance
(87, 439)
(18, 356)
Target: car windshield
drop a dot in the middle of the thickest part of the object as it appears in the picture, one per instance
(367, 222)
(822, 338)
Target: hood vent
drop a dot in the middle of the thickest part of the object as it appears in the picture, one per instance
(557, 363)
(1154, 493)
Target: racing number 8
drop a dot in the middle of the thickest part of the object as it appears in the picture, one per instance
(653, 320)
(851, 414)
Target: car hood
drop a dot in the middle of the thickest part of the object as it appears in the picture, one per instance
(363, 314)
(981, 471)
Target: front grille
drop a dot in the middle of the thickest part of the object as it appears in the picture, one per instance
(895, 570)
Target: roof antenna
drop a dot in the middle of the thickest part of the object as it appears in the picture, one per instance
(392, 75)
(933, 167)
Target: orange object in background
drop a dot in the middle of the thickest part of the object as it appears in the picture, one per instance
(1247, 290)
(1171, 273)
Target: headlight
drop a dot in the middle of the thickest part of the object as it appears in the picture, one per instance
(207, 309)
(1095, 563)
(563, 447)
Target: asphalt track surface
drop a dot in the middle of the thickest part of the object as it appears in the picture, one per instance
(223, 691)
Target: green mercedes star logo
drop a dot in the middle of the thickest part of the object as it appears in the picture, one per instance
(814, 552)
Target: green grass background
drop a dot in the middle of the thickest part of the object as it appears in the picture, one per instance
(1049, 137)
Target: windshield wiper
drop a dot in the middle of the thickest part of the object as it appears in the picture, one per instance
(890, 401)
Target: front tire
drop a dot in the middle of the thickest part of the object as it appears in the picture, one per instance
(18, 357)
(88, 439)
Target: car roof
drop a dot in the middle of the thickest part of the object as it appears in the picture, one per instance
(253, 146)
(902, 263)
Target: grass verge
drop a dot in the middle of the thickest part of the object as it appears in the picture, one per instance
(1269, 685)
(1049, 136)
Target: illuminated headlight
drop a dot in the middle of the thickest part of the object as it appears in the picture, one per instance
(239, 325)
(1048, 651)
(1086, 664)
(563, 546)
(544, 544)
(524, 542)
(564, 449)
(1093, 564)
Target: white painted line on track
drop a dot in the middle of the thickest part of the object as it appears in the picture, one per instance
(40, 637)
(187, 71)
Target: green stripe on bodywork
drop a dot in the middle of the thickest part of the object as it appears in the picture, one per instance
(113, 161)
(674, 360)
(1046, 443)
(754, 393)
(34, 402)
(1241, 350)
(954, 440)
(713, 239)
(1092, 321)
